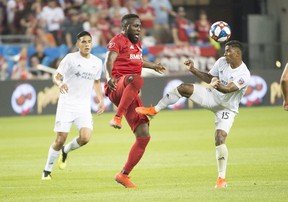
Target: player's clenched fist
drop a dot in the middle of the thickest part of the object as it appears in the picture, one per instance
(189, 63)
(112, 84)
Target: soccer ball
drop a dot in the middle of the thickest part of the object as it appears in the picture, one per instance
(220, 31)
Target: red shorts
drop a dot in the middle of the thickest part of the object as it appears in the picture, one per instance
(134, 119)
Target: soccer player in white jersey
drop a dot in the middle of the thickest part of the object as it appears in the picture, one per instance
(229, 78)
(77, 75)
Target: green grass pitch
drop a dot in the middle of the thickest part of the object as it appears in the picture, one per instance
(179, 163)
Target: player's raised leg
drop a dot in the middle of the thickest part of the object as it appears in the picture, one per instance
(170, 98)
(184, 90)
(133, 84)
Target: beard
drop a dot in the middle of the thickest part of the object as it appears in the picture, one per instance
(132, 38)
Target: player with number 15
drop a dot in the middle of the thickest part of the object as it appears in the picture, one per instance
(229, 78)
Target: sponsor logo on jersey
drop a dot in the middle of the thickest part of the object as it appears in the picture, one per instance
(241, 81)
(77, 74)
(136, 56)
(86, 75)
(111, 45)
(225, 83)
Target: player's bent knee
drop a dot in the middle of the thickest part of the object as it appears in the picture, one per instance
(58, 143)
(136, 80)
(185, 89)
(142, 131)
(83, 140)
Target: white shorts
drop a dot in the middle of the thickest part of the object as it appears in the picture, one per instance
(224, 120)
(209, 99)
(65, 119)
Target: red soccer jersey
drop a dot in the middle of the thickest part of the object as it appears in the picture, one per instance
(129, 60)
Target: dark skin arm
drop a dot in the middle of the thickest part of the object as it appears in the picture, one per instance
(203, 76)
(231, 87)
(156, 67)
(208, 78)
(110, 59)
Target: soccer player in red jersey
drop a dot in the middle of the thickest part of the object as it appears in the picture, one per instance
(124, 65)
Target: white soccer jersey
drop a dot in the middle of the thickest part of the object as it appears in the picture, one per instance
(239, 76)
(79, 74)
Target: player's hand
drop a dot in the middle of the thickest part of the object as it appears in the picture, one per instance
(63, 88)
(215, 82)
(189, 64)
(101, 108)
(159, 68)
(112, 84)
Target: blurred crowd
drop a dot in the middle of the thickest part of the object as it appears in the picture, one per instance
(55, 23)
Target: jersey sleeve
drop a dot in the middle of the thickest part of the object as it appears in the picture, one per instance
(114, 45)
(64, 65)
(242, 80)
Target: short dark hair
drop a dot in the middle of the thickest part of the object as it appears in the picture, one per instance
(83, 33)
(126, 18)
(235, 44)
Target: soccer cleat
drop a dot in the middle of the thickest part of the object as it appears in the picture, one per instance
(46, 175)
(116, 122)
(62, 159)
(124, 180)
(221, 183)
(149, 111)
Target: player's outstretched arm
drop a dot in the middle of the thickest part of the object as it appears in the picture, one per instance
(204, 76)
(284, 87)
(156, 67)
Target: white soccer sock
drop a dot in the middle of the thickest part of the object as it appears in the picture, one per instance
(221, 157)
(52, 155)
(71, 145)
(170, 98)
